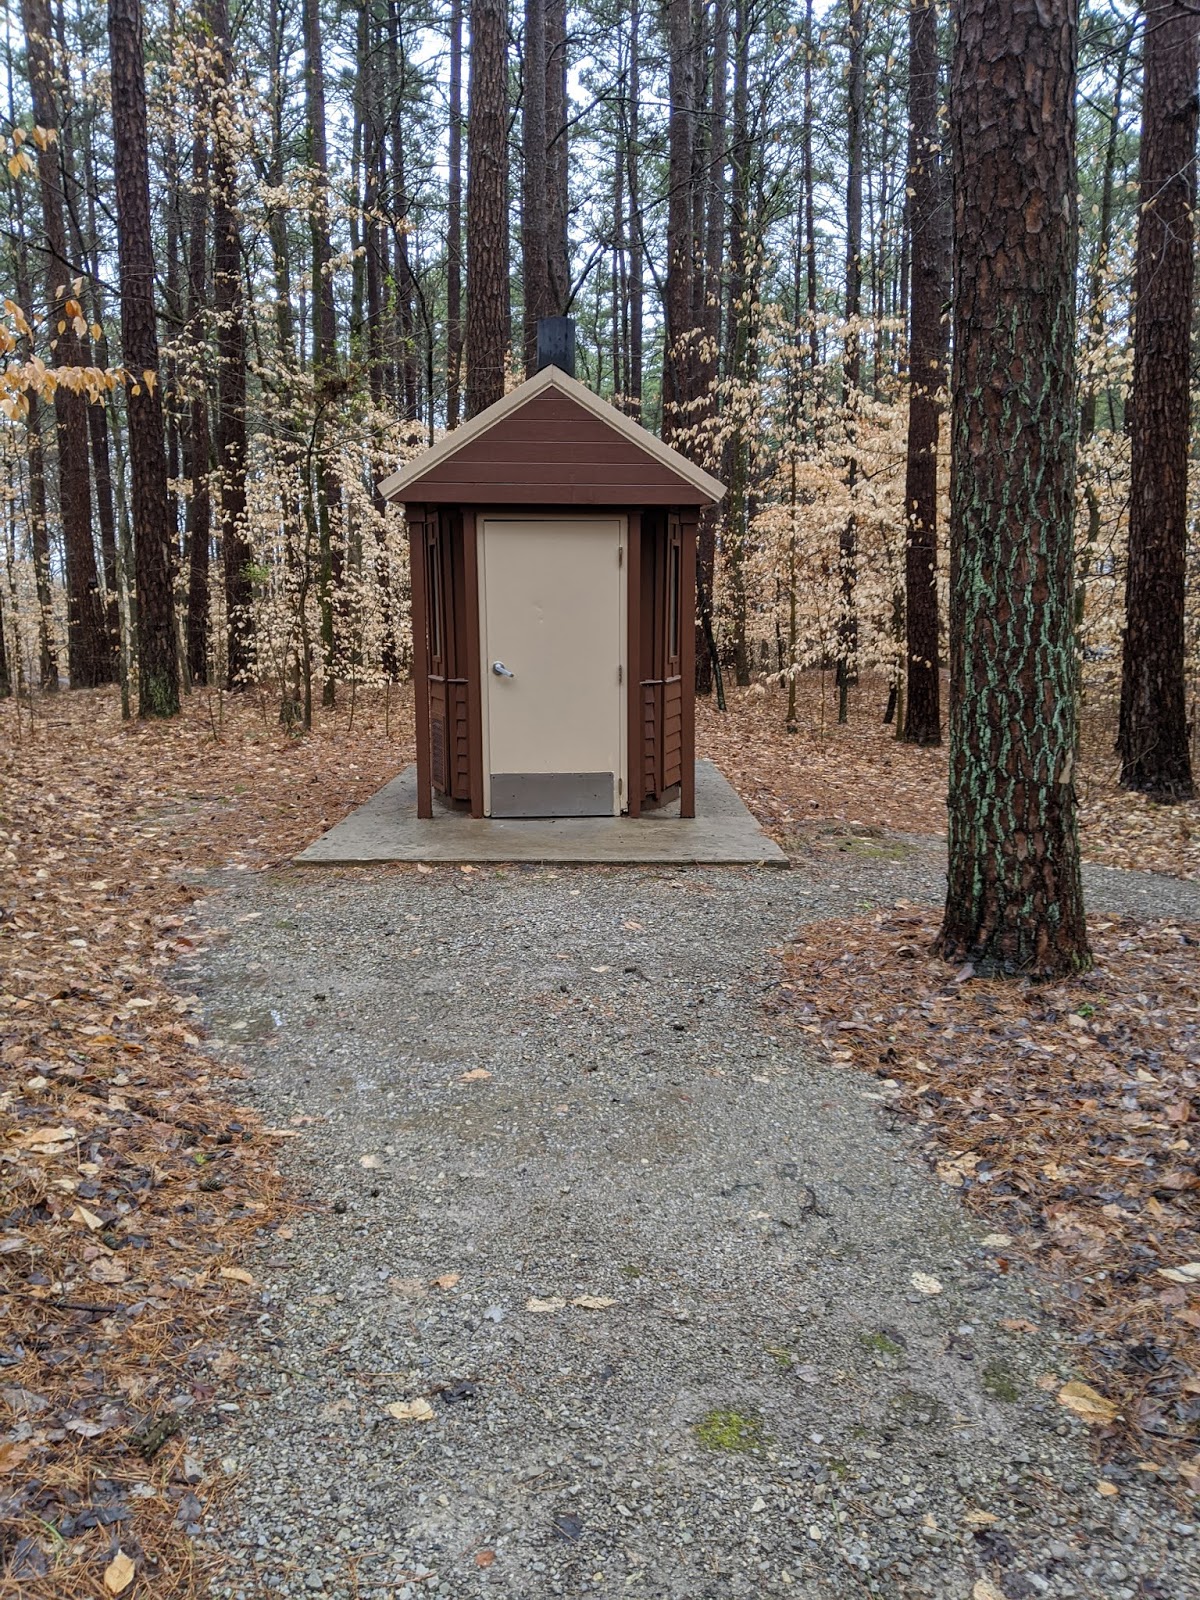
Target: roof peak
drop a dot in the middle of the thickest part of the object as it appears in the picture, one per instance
(452, 441)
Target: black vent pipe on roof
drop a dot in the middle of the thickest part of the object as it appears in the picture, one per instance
(556, 344)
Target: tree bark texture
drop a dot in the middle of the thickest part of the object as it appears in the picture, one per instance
(677, 353)
(89, 652)
(158, 663)
(230, 430)
(852, 357)
(1014, 900)
(535, 260)
(454, 327)
(488, 311)
(1153, 739)
(558, 254)
(927, 350)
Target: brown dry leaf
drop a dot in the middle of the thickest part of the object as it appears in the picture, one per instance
(484, 1558)
(410, 1288)
(89, 1219)
(119, 1573)
(976, 1518)
(107, 1269)
(1107, 1489)
(555, 1303)
(1018, 1324)
(12, 1453)
(925, 1283)
(410, 1411)
(1087, 1402)
(372, 1163)
(1188, 1273)
(593, 1302)
(44, 1136)
(446, 1281)
(237, 1275)
(476, 1075)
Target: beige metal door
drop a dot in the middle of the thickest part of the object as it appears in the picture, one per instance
(552, 614)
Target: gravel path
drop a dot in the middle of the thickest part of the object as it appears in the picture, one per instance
(768, 1405)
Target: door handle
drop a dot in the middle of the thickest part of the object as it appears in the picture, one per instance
(502, 671)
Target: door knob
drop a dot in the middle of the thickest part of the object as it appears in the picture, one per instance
(501, 670)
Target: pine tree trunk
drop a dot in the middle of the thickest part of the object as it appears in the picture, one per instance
(852, 358)
(737, 342)
(637, 249)
(196, 443)
(89, 652)
(535, 242)
(454, 327)
(558, 263)
(488, 310)
(158, 664)
(1153, 732)
(680, 262)
(1014, 902)
(35, 455)
(324, 351)
(230, 430)
(927, 350)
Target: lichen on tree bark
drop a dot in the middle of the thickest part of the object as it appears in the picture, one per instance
(1014, 901)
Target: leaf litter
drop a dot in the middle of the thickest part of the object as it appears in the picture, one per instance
(131, 1189)
(1066, 1115)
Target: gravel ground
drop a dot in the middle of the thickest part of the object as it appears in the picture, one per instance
(764, 1403)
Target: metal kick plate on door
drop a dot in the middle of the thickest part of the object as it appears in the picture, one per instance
(552, 794)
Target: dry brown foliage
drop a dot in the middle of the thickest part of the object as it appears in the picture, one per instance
(131, 1190)
(862, 773)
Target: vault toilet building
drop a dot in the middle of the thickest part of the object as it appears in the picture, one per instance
(553, 546)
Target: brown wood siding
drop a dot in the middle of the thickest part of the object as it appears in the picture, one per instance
(672, 692)
(549, 452)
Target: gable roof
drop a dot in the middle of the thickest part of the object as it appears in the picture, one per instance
(541, 443)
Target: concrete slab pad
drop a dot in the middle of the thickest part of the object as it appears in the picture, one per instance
(387, 828)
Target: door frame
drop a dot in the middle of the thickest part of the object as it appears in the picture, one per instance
(570, 514)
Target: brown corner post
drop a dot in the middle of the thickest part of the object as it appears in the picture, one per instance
(633, 665)
(474, 668)
(420, 636)
(688, 521)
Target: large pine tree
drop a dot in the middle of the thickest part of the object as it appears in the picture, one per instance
(1154, 732)
(1014, 900)
(158, 664)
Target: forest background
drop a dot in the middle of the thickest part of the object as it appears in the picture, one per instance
(332, 282)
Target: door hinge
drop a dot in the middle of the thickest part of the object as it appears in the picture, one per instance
(620, 674)
(620, 786)
(620, 555)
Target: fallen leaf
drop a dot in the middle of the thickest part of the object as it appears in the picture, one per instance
(238, 1275)
(372, 1163)
(88, 1218)
(484, 1558)
(997, 1241)
(554, 1303)
(592, 1302)
(13, 1453)
(45, 1136)
(1018, 1324)
(119, 1573)
(1188, 1273)
(1107, 1489)
(476, 1075)
(925, 1283)
(410, 1411)
(980, 1519)
(446, 1281)
(1087, 1402)
(107, 1269)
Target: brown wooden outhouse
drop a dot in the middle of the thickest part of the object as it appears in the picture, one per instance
(553, 546)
